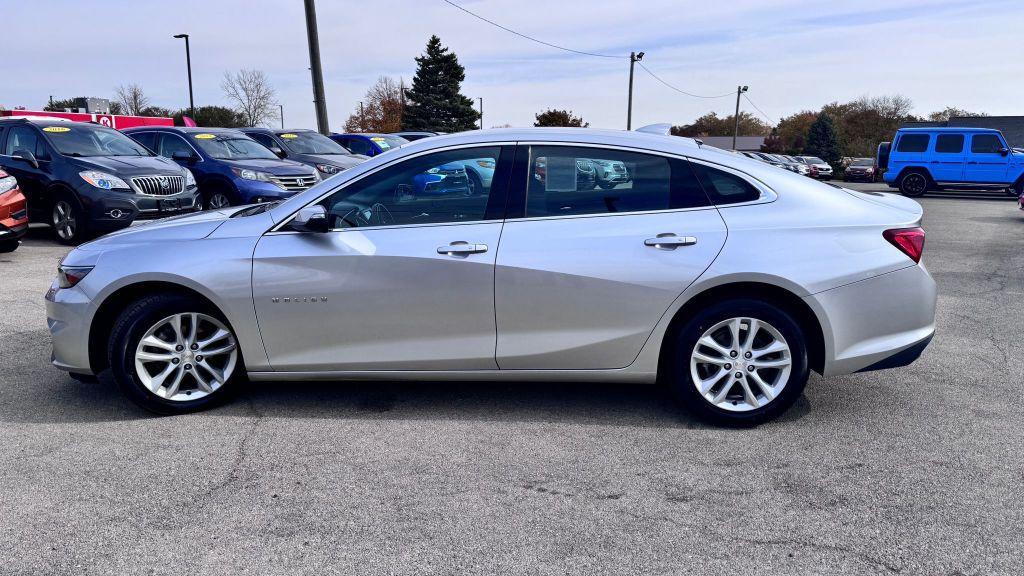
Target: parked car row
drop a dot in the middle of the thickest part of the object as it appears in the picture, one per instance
(806, 165)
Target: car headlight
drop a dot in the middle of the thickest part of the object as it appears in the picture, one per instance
(68, 276)
(328, 168)
(251, 174)
(485, 163)
(190, 180)
(103, 180)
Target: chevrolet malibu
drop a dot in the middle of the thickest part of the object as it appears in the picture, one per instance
(721, 277)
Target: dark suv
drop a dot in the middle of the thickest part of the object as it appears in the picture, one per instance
(308, 147)
(86, 179)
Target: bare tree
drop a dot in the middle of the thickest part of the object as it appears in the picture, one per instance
(254, 98)
(132, 99)
(381, 109)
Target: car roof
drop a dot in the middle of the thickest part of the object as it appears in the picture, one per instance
(186, 129)
(361, 134)
(43, 121)
(947, 129)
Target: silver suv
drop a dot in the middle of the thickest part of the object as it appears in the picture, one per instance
(722, 277)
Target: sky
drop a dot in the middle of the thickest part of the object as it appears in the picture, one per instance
(793, 54)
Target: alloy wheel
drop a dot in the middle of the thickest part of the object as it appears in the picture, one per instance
(741, 364)
(64, 220)
(186, 356)
(219, 200)
(915, 184)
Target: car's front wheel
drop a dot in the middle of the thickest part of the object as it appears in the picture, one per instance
(739, 362)
(172, 354)
(68, 220)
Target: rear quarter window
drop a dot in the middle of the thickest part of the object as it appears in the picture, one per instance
(913, 143)
(723, 187)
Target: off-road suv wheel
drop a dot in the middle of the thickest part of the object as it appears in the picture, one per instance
(914, 184)
(739, 362)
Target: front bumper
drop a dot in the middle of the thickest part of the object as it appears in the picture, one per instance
(255, 191)
(867, 322)
(68, 311)
(13, 232)
(108, 211)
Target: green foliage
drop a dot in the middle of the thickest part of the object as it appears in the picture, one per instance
(435, 101)
(559, 118)
(60, 105)
(212, 117)
(156, 111)
(711, 124)
(822, 140)
(951, 112)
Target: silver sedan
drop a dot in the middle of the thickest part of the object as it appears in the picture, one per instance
(720, 277)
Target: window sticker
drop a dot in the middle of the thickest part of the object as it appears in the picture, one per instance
(56, 129)
(561, 174)
(289, 136)
(205, 136)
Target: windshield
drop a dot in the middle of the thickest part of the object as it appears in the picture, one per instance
(388, 142)
(232, 147)
(863, 162)
(308, 142)
(78, 139)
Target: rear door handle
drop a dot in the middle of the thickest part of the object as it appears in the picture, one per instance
(669, 241)
(461, 248)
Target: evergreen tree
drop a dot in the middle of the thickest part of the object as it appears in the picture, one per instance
(822, 141)
(559, 118)
(434, 102)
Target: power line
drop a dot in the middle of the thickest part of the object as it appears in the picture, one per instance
(767, 117)
(530, 38)
(656, 77)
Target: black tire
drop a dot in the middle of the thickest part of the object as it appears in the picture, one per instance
(914, 184)
(65, 206)
(606, 185)
(476, 185)
(128, 330)
(1016, 190)
(8, 246)
(680, 379)
(212, 192)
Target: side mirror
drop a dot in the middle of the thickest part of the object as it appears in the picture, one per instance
(310, 219)
(1004, 151)
(183, 156)
(27, 157)
(278, 151)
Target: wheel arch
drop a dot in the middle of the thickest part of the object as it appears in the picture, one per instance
(915, 168)
(774, 294)
(118, 300)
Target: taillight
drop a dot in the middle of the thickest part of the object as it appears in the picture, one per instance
(910, 241)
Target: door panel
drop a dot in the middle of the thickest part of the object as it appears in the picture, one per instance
(585, 293)
(377, 299)
(984, 161)
(947, 164)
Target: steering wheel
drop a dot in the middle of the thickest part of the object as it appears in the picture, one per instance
(376, 215)
(380, 214)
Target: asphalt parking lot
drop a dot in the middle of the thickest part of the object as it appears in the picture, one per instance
(911, 471)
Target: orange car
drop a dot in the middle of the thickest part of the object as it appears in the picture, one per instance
(13, 213)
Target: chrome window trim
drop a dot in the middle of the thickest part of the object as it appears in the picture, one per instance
(284, 221)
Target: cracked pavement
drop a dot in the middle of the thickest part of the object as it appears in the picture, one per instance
(910, 471)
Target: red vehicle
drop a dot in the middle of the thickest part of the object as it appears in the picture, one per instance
(110, 120)
(13, 213)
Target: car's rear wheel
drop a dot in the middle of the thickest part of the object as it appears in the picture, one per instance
(476, 185)
(173, 354)
(913, 184)
(739, 362)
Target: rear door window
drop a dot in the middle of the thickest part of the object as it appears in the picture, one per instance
(949, 143)
(913, 143)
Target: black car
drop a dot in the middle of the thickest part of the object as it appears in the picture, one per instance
(85, 179)
(308, 147)
(861, 169)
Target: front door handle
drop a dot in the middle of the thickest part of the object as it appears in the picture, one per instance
(461, 248)
(669, 241)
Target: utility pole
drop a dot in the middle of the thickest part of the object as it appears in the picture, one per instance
(362, 119)
(316, 70)
(736, 117)
(634, 57)
(281, 107)
(188, 65)
(481, 113)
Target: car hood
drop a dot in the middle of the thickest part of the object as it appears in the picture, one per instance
(275, 167)
(339, 160)
(193, 226)
(130, 165)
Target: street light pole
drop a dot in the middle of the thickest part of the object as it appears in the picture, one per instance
(316, 70)
(736, 117)
(188, 64)
(481, 113)
(633, 58)
(281, 107)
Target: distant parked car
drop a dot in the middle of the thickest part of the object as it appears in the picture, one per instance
(586, 175)
(85, 179)
(610, 173)
(230, 167)
(819, 168)
(445, 180)
(308, 147)
(413, 136)
(923, 159)
(13, 213)
(860, 169)
(369, 144)
(480, 172)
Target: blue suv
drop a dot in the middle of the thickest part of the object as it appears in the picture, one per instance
(230, 167)
(368, 144)
(923, 159)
